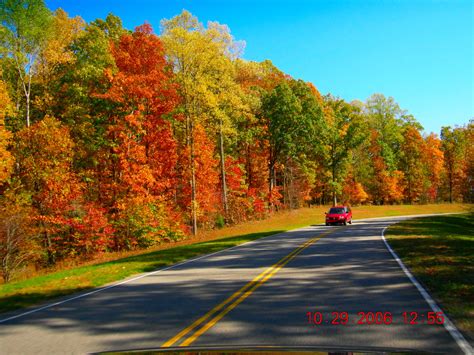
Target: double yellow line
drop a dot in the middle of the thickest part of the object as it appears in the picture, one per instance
(218, 312)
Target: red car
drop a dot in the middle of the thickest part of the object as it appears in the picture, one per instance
(339, 214)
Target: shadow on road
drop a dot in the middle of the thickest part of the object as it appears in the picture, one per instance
(349, 270)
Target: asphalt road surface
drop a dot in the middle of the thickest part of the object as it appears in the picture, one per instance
(256, 294)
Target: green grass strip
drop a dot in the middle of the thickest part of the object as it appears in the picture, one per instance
(38, 289)
(440, 253)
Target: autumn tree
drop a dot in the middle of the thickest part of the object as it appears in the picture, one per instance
(198, 56)
(386, 120)
(343, 133)
(140, 167)
(412, 164)
(433, 160)
(385, 184)
(468, 191)
(229, 102)
(257, 80)
(385, 117)
(6, 158)
(353, 191)
(77, 86)
(54, 59)
(44, 154)
(18, 236)
(453, 145)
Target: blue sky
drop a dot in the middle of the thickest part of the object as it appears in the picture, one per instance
(418, 51)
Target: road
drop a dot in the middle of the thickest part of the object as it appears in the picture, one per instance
(256, 294)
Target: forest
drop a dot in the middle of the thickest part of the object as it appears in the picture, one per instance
(112, 139)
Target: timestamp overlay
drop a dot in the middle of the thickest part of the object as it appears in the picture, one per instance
(374, 318)
(317, 287)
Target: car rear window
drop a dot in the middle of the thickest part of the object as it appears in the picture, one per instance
(336, 210)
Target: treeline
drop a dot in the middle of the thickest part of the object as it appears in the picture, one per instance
(113, 140)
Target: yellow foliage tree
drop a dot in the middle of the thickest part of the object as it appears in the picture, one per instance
(202, 61)
(55, 53)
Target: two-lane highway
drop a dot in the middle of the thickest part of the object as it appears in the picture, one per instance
(256, 294)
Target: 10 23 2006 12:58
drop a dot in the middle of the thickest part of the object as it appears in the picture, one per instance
(374, 318)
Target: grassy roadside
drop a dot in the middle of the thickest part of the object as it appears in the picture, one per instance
(113, 267)
(440, 253)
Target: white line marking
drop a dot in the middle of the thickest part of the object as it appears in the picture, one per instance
(450, 327)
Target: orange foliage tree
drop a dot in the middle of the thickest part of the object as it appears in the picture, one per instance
(412, 164)
(206, 178)
(139, 174)
(44, 152)
(433, 159)
(353, 191)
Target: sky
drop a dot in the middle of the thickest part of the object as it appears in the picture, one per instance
(418, 51)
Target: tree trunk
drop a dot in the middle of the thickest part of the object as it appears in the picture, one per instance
(223, 178)
(49, 245)
(271, 167)
(28, 110)
(409, 191)
(450, 188)
(334, 198)
(249, 167)
(193, 180)
(293, 199)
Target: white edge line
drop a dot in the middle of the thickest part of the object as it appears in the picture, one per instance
(448, 324)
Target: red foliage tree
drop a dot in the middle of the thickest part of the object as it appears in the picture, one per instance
(140, 174)
(67, 224)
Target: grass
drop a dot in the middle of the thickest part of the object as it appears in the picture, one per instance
(440, 253)
(69, 278)
(31, 291)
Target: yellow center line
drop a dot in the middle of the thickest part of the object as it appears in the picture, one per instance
(236, 298)
(221, 305)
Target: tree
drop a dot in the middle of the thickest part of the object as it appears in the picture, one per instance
(77, 88)
(412, 164)
(228, 95)
(353, 191)
(251, 144)
(282, 110)
(140, 167)
(299, 168)
(385, 116)
(294, 120)
(55, 57)
(44, 153)
(198, 56)
(468, 192)
(453, 145)
(24, 29)
(6, 158)
(385, 185)
(18, 237)
(433, 159)
(342, 134)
